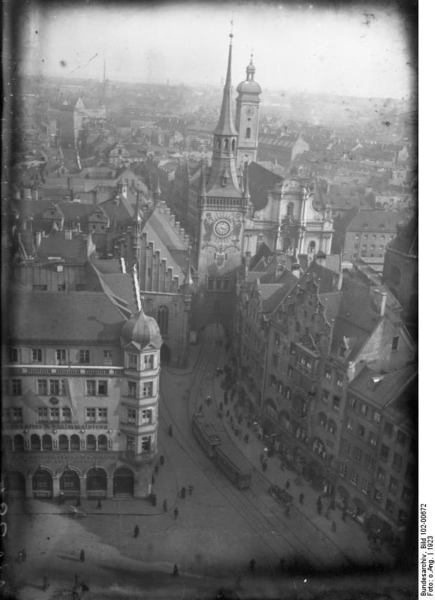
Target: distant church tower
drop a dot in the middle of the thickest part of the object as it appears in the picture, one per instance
(248, 116)
(222, 203)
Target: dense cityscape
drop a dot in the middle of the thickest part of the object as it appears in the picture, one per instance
(210, 340)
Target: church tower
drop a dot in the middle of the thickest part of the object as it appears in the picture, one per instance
(248, 116)
(222, 205)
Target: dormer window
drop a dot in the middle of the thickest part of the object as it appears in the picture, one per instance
(226, 144)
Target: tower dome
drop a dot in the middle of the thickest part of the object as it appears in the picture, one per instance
(141, 330)
(249, 86)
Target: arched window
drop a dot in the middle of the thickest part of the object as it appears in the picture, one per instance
(47, 442)
(233, 145)
(226, 144)
(63, 443)
(272, 382)
(18, 443)
(7, 443)
(311, 246)
(322, 419)
(319, 448)
(248, 133)
(35, 442)
(102, 442)
(162, 319)
(75, 443)
(218, 144)
(332, 427)
(91, 442)
(280, 387)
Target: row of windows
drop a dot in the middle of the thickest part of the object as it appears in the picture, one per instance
(134, 361)
(57, 387)
(146, 415)
(338, 379)
(366, 486)
(218, 285)
(364, 410)
(336, 400)
(47, 442)
(373, 235)
(61, 354)
(57, 415)
(133, 387)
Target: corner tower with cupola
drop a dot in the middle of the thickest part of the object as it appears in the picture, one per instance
(222, 203)
(248, 116)
(141, 343)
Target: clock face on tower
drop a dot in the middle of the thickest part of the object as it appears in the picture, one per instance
(250, 111)
(222, 228)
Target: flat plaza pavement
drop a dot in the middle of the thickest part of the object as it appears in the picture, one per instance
(209, 541)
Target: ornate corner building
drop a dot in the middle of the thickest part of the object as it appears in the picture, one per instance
(80, 395)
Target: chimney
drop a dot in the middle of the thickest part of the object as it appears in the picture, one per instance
(380, 301)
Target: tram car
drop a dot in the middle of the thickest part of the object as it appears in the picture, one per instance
(233, 464)
(218, 446)
(206, 434)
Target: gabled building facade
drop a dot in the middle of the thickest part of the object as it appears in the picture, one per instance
(80, 396)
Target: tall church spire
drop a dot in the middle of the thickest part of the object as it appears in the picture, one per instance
(226, 123)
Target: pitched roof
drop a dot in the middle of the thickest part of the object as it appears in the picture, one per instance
(55, 244)
(406, 240)
(383, 389)
(375, 220)
(47, 316)
(261, 180)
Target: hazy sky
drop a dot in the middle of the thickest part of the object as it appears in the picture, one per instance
(354, 49)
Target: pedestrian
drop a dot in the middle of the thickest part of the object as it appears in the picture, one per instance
(246, 439)
(84, 587)
(190, 489)
(61, 498)
(175, 571)
(301, 499)
(162, 460)
(156, 469)
(287, 484)
(136, 531)
(170, 430)
(99, 503)
(82, 555)
(176, 513)
(183, 492)
(333, 527)
(45, 583)
(208, 400)
(165, 505)
(23, 555)
(252, 564)
(20, 556)
(78, 501)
